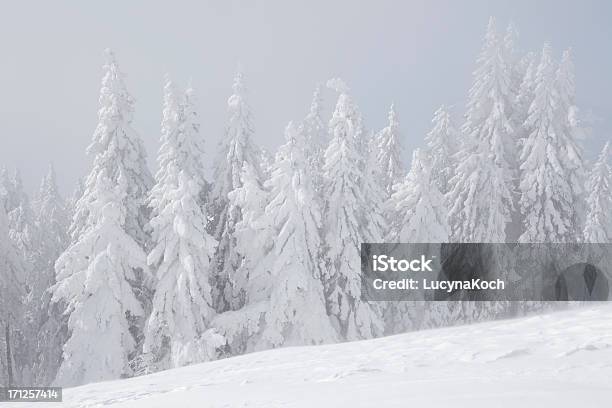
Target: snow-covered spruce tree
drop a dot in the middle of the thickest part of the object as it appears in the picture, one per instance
(598, 226)
(251, 281)
(480, 201)
(513, 62)
(572, 130)
(481, 192)
(12, 282)
(524, 98)
(481, 196)
(116, 149)
(94, 288)
(170, 114)
(315, 133)
(278, 281)
(105, 224)
(418, 208)
(236, 148)
(297, 313)
(76, 195)
(418, 214)
(442, 145)
(253, 239)
(373, 184)
(23, 229)
(480, 211)
(266, 161)
(490, 102)
(6, 187)
(348, 222)
(176, 332)
(315, 130)
(194, 163)
(181, 145)
(389, 150)
(25, 235)
(551, 164)
(53, 220)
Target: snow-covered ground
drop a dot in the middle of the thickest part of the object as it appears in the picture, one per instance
(561, 359)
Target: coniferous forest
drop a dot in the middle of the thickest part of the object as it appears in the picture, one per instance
(138, 272)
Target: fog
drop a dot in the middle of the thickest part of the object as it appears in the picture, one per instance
(418, 54)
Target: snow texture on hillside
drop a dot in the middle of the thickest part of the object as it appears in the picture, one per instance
(561, 359)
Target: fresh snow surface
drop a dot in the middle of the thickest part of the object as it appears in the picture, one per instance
(561, 359)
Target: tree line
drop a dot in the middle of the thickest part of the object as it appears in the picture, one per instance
(139, 272)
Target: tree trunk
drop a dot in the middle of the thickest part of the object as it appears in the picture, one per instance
(9, 357)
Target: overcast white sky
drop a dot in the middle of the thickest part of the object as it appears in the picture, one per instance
(419, 54)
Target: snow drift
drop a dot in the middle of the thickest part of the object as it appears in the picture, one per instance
(561, 359)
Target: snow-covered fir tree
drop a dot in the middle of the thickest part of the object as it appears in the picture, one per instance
(490, 102)
(513, 62)
(551, 162)
(278, 282)
(418, 208)
(480, 211)
(481, 192)
(524, 98)
(25, 235)
(347, 221)
(389, 151)
(105, 265)
(315, 130)
(442, 145)
(182, 253)
(296, 314)
(194, 163)
(170, 113)
(251, 280)
(181, 145)
(75, 196)
(526, 69)
(373, 185)
(315, 133)
(266, 161)
(237, 147)
(12, 283)
(53, 221)
(182, 306)
(116, 149)
(598, 226)
(418, 214)
(253, 238)
(5, 189)
(573, 134)
(23, 229)
(94, 289)
(480, 201)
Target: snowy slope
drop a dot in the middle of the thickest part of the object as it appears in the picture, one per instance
(562, 359)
